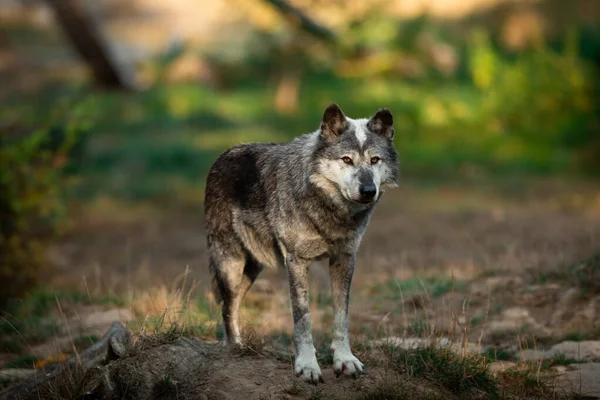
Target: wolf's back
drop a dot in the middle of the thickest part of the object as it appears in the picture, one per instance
(235, 182)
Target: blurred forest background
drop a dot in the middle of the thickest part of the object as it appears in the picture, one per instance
(112, 111)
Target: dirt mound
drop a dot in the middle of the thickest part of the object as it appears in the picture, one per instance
(174, 367)
(170, 366)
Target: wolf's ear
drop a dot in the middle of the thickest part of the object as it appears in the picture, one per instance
(334, 122)
(382, 123)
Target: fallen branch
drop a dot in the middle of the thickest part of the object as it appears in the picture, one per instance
(113, 345)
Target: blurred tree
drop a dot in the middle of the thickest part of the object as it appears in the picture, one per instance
(288, 88)
(81, 30)
(595, 123)
(297, 18)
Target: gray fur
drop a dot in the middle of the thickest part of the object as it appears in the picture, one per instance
(288, 204)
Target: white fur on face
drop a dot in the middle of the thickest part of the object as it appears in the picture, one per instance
(360, 129)
(341, 174)
(335, 174)
(345, 177)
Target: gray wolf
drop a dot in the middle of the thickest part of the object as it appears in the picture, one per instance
(287, 204)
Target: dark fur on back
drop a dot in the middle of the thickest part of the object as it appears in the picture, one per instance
(270, 183)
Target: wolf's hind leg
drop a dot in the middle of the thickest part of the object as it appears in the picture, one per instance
(228, 270)
(234, 276)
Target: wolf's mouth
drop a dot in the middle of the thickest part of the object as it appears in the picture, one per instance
(363, 202)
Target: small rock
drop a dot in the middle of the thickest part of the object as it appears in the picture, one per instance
(403, 343)
(410, 343)
(560, 369)
(583, 381)
(516, 313)
(587, 350)
(500, 366)
(98, 320)
(584, 350)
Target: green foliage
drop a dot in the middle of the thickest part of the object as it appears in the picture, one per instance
(494, 113)
(28, 207)
(31, 206)
(540, 98)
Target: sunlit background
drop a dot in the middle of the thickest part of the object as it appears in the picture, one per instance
(112, 112)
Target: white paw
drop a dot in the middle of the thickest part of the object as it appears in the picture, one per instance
(345, 362)
(307, 368)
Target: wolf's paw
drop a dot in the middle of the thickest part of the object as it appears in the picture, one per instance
(235, 344)
(307, 368)
(344, 362)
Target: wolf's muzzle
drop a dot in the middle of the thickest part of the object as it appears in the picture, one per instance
(367, 192)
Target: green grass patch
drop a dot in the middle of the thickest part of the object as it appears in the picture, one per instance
(524, 381)
(457, 374)
(316, 394)
(395, 289)
(498, 355)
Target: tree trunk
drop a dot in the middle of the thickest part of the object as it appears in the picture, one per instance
(82, 32)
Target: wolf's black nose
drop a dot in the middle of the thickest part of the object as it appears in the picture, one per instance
(367, 192)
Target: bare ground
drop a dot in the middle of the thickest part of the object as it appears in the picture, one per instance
(506, 266)
(507, 246)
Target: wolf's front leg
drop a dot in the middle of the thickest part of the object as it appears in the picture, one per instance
(306, 365)
(341, 269)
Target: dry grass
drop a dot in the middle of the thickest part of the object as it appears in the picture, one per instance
(443, 366)
(417, 274)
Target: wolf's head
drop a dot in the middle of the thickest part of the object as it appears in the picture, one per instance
(356, 158)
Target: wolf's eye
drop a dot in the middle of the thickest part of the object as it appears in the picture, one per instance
(375, 160)
(347, 160)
